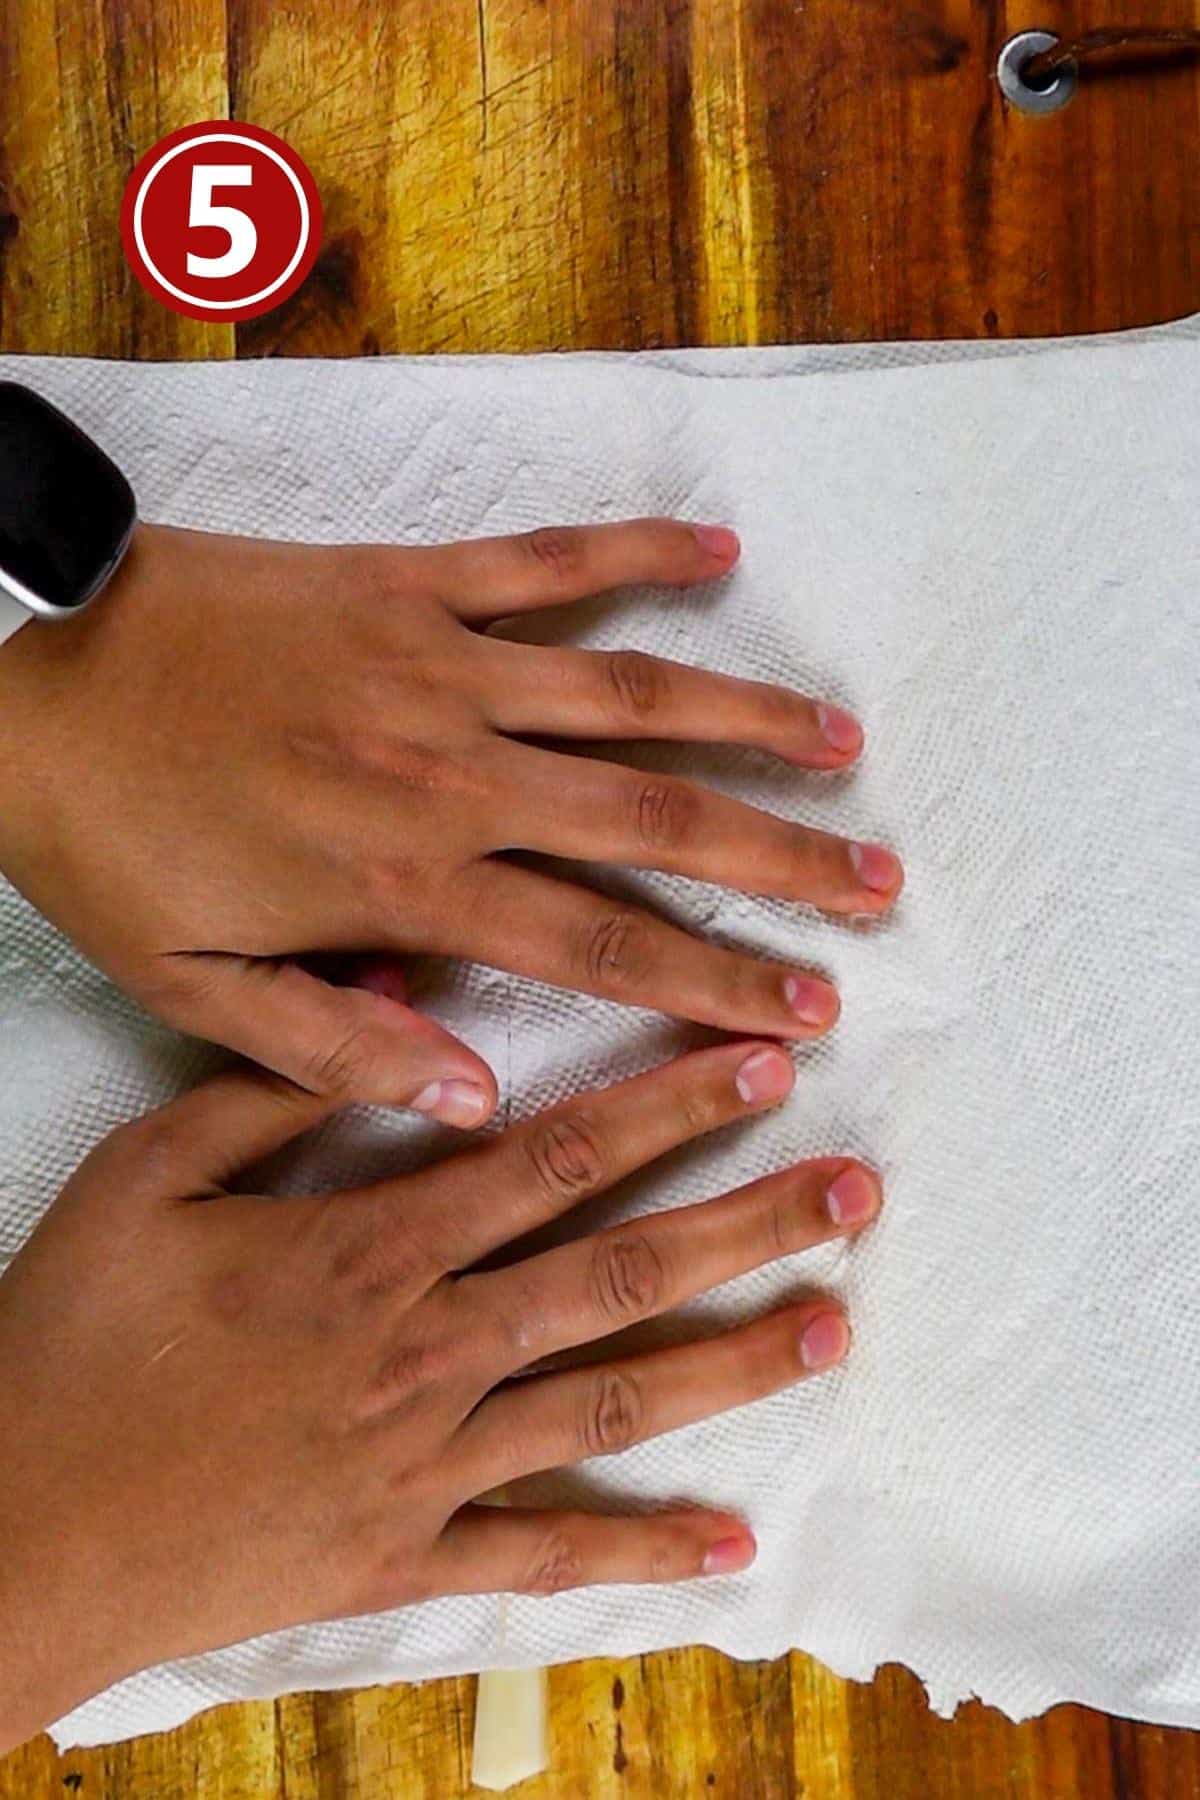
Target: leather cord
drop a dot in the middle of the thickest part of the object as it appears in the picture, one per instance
(1092, 44)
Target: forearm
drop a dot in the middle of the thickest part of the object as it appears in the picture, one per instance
(52, 736)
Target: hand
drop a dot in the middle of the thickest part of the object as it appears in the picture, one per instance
(251, 752)
(225, 1414)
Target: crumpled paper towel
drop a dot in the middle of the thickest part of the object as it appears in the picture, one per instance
(995, 561)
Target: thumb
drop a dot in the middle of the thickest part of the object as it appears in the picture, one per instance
(347, 1044)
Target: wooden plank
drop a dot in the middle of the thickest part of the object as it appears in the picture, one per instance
(505, 175)
(85, 87)
(632, 173)
(682, 1725)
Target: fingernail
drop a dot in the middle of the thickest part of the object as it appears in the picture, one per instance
(852, 1197)
(876, 867)
(824, 1341)
(840, 729)
(718, 541)
(813, 1002)
(458, 1103)
(765, 1075)
(729, 1555)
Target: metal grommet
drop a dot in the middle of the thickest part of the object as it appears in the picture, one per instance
(1048, 98)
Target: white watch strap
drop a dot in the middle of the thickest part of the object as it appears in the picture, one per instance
(12, 616)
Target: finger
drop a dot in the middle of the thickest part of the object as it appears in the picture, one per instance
(200, 1141)
(535, 925)
(490, 1550)
(546, 1421)
(601, 1284)
(624, 694)
(543, 1168)
(483, 579)
(571, 806)
(348, 1043)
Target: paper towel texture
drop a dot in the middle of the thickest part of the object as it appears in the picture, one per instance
(995, 562)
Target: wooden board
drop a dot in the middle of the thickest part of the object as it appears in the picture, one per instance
(683, 1725)
(526, 174)
(570, 174)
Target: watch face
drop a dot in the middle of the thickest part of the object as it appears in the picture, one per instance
(66, 511)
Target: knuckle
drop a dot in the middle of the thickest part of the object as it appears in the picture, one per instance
(638, 682)
(413, 1369)
(665, 814)
(612, 1413)
(617, 951)
(385, 1567)
(151, 1145)
(349, 1066)
(375, 1258)
(179, 987)
(558, 1565)
(514, 1329)
(398, 1580)
(626, 1278)
(427, 772)
(556, 549)
(669, 1559)
(781, 707)
(383, 882)
(781, 1226)
(565, 1155)
(811, 846)
(386, 1272)
(699, 1111)
(743, 985)
(371, 748)
(369, 579)
(423, 769)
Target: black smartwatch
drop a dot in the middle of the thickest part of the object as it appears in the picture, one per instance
(66, 512)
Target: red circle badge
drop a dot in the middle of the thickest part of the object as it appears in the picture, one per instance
(221, 221)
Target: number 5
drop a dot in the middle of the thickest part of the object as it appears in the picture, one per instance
(243, 237)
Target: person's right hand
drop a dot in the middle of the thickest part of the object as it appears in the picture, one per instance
(225, 1414)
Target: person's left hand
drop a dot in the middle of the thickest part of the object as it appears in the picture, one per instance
(247, 752)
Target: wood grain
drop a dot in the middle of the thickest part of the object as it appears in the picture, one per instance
(637, 173)
(572, 174)
(682, 1725)
(85, 87)
(519, 175)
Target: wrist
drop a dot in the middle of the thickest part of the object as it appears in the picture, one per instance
(57, 1645)
(75, 1611)
(59, 684)
(26, 737)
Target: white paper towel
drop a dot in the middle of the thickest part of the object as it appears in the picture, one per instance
(994, 560)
